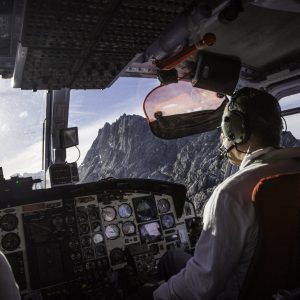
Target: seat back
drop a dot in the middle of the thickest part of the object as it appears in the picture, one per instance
(276, 261)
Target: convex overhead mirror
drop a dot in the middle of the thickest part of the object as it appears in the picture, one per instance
(179, 109)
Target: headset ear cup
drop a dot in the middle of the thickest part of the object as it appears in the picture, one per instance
(234, 127)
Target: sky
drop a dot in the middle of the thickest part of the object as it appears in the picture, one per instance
(22, 114)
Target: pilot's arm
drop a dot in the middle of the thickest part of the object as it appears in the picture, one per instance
(8, 287)
(222, 253)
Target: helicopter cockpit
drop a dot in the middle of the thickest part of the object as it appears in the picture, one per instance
(97, 227)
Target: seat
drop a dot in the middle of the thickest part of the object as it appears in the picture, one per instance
(276, 262)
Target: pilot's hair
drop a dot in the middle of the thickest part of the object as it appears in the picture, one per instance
(263, 114)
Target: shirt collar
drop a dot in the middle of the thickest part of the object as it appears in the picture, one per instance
(249, 158)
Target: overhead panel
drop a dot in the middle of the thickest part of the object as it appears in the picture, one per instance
(264, 39)
(86, 44)
(10, 26)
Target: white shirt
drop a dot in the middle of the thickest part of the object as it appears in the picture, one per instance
(225, 247)
(9, 289)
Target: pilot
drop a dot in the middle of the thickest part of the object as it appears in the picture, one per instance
(9, 289)
(251, 135)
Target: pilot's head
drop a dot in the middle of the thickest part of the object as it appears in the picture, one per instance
(251, 121)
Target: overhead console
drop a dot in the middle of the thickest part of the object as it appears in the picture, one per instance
(77, 242)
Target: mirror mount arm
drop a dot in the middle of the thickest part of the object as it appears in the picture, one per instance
(208, 40)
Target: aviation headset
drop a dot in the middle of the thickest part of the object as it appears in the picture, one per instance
(236, 125)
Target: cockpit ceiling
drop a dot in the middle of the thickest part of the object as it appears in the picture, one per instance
(262, 38)
(86, 44)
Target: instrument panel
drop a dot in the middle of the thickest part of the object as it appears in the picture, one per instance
(136, 218)
(77, 240)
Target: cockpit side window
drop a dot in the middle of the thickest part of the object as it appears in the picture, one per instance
(290, 107)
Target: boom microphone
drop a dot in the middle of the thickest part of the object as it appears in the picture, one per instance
(223, 151)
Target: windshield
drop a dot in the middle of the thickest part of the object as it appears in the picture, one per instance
(115, 140)
(22, 114)
(89, 110)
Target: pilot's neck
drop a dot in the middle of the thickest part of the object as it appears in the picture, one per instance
(251, 157)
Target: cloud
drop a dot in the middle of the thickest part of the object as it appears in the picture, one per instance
(7, 93)
(293, 125)
(29, 160)
(289, 102)
(4, 128)
(23, 114)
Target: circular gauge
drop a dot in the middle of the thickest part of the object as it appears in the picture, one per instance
(86, 241)
(125, 210)
(84, 228)
(117, 256)
(9, 222)
(82, 216)
(96, 226)
(70, 220)
(145, 209)
(57, 221)
(93, 213)
(97, 238)
(163, 205)
(167, 221)
(108, 213)
(11, 241)
(88, 253)
(112, 232)
(100, 250)
(128, 228)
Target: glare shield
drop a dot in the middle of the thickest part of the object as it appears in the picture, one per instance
(179, 109)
